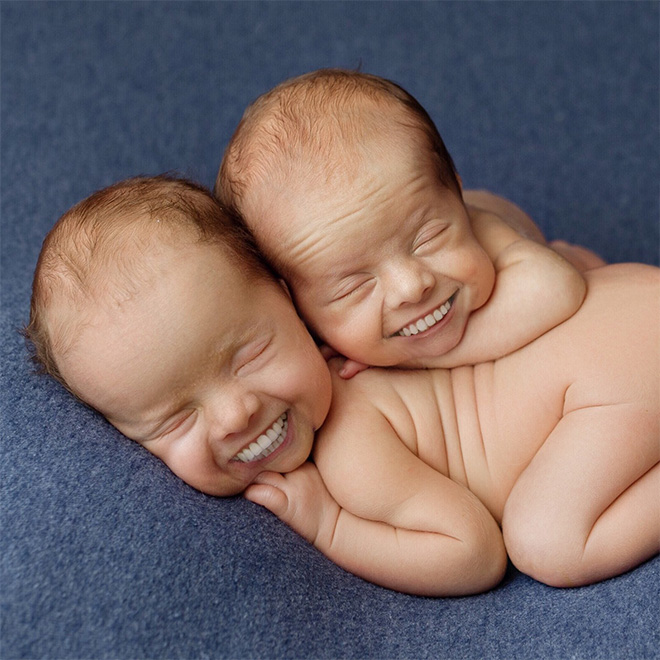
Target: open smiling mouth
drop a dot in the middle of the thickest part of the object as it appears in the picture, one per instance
(427, 321)
(266, 443)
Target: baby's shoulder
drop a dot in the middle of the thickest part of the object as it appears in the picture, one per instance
(634, 275)
(630, 288)
(377, 402)
(368, 394)
(385, 390)
(368, 429)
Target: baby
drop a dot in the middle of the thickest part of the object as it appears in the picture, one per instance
(350, 193)
(352, 196)
(152, 306)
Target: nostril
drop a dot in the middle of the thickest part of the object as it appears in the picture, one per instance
(407, 281)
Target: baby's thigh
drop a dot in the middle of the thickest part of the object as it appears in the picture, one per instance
(586, 507)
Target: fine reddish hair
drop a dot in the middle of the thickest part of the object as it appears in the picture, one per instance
(319, 117)
(98, 249)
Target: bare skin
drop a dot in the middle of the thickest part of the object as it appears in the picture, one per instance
(425, 478)
(511, 213)
(201, 364)
(580, 257)
(417, 470)
(492, 216)
(386, 250)
(559, 442)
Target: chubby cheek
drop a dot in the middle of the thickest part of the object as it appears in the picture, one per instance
(317, 319)
(314, 386)
(322, 403)
(302, 447)
(356, 332)
(221, 486)
(204, 475)
(306, 372)
(479, 275)
(326, 322)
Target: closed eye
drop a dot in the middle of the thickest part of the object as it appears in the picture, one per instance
(252, 355)
(180, 424)
(354, 288)
(429, 235)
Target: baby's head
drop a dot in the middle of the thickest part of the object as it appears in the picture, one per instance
(151, 305)
(351, 194)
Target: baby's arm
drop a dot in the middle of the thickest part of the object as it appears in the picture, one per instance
(535, 290)
(391, 518)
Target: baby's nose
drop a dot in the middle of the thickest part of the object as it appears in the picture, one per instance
(410, 283)
(231, 413)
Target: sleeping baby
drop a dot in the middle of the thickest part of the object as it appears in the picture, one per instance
(152, 305)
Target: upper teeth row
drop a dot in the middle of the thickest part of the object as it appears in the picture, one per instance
(266, 443)
(426, 322)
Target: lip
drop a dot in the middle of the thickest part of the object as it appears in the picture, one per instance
(269, 443)
(446, 318)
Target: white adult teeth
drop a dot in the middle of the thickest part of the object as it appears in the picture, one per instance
(427, 322)
(266, 443)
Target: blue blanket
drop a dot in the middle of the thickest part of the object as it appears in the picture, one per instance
(104, 553)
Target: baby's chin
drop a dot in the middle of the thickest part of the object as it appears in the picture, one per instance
(426, 357)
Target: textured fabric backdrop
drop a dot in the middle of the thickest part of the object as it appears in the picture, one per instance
(104, 553)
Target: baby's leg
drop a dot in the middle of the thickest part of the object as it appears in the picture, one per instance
(588, 507)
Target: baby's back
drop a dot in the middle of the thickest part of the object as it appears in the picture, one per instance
(482, 425)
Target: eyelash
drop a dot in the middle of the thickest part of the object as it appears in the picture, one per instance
(253, 354)
(178, 424)
(428, 236)
(352, 291)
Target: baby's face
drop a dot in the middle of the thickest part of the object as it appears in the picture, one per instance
(383, 265)
(211, 371)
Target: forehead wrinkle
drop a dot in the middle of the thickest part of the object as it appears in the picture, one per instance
(392, 221)
(354, 229)
(318, 248)
(337, 240)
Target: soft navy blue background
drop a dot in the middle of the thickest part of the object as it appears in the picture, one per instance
(104, 553)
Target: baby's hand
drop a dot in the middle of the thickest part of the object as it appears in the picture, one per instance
(300, 499)
(345, 368)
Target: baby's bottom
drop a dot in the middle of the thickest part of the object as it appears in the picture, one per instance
(587, 507)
